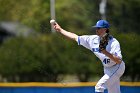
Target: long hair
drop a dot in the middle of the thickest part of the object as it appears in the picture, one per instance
(107, 30)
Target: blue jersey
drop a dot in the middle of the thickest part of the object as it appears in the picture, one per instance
(91, 42)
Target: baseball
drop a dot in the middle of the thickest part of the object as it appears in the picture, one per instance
(52, 21)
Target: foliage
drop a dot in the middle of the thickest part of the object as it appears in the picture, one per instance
(124, 15)
(130, 50)
(33, 13)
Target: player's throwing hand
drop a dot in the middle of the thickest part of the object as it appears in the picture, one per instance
(55, 25)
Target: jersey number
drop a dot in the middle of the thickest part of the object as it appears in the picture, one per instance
(106, 61)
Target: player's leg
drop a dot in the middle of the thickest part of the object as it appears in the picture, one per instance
(113, 84)
(101, 85)
(115, 88)
(111, 80)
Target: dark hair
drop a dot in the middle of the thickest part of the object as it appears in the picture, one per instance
(107, 30)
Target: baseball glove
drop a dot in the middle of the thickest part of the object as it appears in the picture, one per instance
(103, 42)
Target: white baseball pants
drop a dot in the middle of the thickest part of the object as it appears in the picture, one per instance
(111, 79)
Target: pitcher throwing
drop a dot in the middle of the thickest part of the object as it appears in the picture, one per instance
(107, 49)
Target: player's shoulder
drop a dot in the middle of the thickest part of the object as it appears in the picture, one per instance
(113, 40)
(91, 36)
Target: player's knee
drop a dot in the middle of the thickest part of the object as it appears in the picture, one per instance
(99, 88)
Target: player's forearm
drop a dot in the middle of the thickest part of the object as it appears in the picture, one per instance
(69, 34)
(112, 57)
(63, 32)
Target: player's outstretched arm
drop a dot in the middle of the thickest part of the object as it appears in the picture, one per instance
(70, 35)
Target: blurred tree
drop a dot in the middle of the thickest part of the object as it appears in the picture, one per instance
(33, 13)
(77, 15)
(29, 59)
(124, 15)
(130, 50)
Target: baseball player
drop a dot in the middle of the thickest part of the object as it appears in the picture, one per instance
(107, 49)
